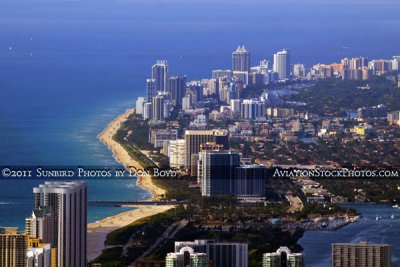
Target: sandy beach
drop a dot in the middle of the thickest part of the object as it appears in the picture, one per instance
(122, 156)
(97, 232)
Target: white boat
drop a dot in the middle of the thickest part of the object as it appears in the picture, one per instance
(377, 218)
(392, 216)
(396, 206)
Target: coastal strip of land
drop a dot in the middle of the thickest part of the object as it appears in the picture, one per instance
(98, 231)
(122, 156)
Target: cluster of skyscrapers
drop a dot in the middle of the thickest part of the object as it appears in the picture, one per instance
(55, 233)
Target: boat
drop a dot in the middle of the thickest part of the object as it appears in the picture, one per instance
(377, 218)
(396, 206)
(392, 216)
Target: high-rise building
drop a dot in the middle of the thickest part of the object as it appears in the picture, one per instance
(242, 76)
(159, 136)
(13, 246)
(241, 59)
(283, 257)
(195, 138)
(221, 254)
(299, 71)
(160, 73)
(151, 89)
(176, 89)
(226, 254)
(147, 111)
(140, 105)
(361, 255)
(177, 153)
(282, 64)
(68, 201)
(186, 257)
(396, 63)
(161, 106)
(252, 109)
(216, 74)
(236, 105)
(380, 67)
(249, 181)
(40, 225)
(217, 171)
(40, 256)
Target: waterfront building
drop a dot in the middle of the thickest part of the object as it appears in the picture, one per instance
(161, 107)
(159, 136)
(361, 254)
(322, 71)
(13, 246)
(176, 89)
(68, 201)
(40, 225)
(221, 254)
(380, 67)
(40, 256)
(282, 64)
(140, 105)
(299, 71)
(396, 63)
(176, 153)
(186, 257)
(216, 74)
(283, 257)
(195, 138)
(151, 90)
(160, 73)
(241, 59)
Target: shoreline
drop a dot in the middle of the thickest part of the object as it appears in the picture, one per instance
(98, 231)
(123, 157)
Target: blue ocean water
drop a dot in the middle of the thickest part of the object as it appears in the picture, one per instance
(317, 245)
(68, 67)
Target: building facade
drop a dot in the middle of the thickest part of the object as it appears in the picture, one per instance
(282, 64)
(68, 201)
(241, 59)
(13, 247)
(361, 255)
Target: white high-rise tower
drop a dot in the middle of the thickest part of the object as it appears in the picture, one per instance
(282, 64)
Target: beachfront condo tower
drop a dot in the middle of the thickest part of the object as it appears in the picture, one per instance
(241, 59)
(160, 73)
(68, 202)
(282, 64)
(13, 247)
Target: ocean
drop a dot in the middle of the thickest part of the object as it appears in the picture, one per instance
(68, 67)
